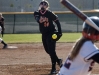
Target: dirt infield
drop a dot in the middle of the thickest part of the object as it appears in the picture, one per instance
(31, 59)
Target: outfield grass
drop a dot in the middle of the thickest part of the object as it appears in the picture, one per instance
(30, 38)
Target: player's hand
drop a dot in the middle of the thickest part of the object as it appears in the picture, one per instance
(42, 19)
(59, 35)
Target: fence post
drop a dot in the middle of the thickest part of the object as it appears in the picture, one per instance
(77, 25)
(14, 24)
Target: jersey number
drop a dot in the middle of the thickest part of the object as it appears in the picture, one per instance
(67, 63)
(46, 24)
(91, 66)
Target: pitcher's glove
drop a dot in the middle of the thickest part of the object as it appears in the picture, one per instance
(56, 36)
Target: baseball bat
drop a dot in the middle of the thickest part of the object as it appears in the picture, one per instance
(80, 14)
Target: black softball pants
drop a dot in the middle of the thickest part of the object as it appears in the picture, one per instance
(49, 46)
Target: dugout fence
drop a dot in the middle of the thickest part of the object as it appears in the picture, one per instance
(24, 22)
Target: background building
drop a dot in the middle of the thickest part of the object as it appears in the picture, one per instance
(32, 5)
(19, 17)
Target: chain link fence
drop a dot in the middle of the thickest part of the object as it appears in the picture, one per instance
(25, 23)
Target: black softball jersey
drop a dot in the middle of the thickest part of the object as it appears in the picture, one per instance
(47, 26)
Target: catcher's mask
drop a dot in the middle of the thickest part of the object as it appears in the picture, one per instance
(43, 5)
(90, 32)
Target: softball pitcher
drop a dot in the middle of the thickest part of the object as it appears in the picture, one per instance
(45, 18)
(2, 30)
(84, 54)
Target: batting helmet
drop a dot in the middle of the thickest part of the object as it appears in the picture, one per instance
(89, 32)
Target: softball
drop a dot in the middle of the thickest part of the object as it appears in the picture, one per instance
(54, 36)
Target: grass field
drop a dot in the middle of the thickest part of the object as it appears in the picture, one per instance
(30, 38)
(30, 58)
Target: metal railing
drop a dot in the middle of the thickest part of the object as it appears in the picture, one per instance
(24, 22)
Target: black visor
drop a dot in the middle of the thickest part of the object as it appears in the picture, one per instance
(43, 3)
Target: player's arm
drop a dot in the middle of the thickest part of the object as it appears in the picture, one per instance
(3, 28)
(58, 26)
(2, 24)
(56, 20)
(95, 57)
(37, 17)
(59, 33)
